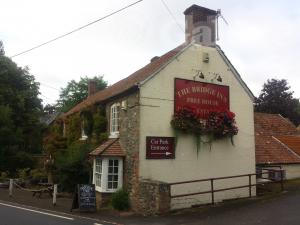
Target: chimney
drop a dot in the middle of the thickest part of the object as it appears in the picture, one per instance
(200, 25)
(154, 59)
(92, 87)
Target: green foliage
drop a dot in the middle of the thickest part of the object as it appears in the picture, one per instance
(99, 123)
(73, 166)
(20, 110)
(2, 52)
(3, 175)
(23, 173)
(120, 200)
(88, 123)
(75, 92)
(276, 97)
(73, 128)
(38, 175)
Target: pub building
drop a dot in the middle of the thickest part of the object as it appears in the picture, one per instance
(187, 115)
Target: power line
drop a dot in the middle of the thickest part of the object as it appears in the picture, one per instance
(172, 15)
(46, 85)
(47, 97)
(77, 29)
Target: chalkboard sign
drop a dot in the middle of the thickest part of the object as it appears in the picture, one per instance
(85, 198)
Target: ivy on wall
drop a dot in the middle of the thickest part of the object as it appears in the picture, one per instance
(70, 151)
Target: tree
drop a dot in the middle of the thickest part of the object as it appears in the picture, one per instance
(75, 92)
(20, 110)
(276, 97)
(49, 109)
(2, 52)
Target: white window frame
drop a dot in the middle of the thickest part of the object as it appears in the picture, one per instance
(103, 187)
(114, 120)
(98, 171)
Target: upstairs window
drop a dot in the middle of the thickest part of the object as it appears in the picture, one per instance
(83, 133)
(114, 120)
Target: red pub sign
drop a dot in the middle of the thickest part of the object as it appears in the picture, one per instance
(160, 147)
(201, 97)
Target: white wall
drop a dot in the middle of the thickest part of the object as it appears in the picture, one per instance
(157, 108)
(292, 171)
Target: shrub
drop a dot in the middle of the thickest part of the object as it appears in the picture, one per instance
(73, 166)
(3, 175)
(120, 200)
(38, 175)
(23, 173)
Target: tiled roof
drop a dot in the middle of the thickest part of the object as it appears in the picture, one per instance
(129, 82)
(291, 141)
(268, 148)
(111, 147)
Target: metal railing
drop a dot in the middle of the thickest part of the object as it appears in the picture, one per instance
(249, 185)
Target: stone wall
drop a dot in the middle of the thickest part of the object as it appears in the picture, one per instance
(153, 197)
(102, 199)
(129, 139)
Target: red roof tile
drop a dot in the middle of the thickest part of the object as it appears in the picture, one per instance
(291, 141)
(127, 83)
(111, 147)
(268, 149)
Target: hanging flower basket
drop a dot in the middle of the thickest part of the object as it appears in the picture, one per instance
(218, 125)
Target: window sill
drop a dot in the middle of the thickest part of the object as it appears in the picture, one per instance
(114, 135)
(105, 191)
(83, 138)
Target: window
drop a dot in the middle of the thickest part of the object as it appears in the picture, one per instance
(114, 120)
(112, 178)
(64, 129)
(201, 38)
(83, 134)
(98, 172)
(108, 174)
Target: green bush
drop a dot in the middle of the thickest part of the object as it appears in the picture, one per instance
(73, 166)
(120, 200)
(3, 176)
(38, 175)
(23, 173)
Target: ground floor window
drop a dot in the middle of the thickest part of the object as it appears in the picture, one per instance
(108, 174)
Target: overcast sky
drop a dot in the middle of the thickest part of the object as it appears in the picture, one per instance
(262, 39)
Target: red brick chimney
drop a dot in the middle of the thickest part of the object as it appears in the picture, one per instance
(92, 87)
(200, 25)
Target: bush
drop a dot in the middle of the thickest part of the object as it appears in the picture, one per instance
(23, 173)
(120, 200)
(73, 167)
(38, 175)
(3, 176)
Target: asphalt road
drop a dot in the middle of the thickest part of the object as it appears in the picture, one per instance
(282, 209)
(12, 214)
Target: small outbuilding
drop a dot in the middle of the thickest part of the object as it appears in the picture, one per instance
(277, 144)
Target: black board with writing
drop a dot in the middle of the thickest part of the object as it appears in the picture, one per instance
(85, 198)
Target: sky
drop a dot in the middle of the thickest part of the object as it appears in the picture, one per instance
(262, 38)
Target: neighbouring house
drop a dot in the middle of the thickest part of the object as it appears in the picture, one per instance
(277, 144)
(151, 142)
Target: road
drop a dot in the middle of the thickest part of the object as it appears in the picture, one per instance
(12, 214)
(276, 210)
